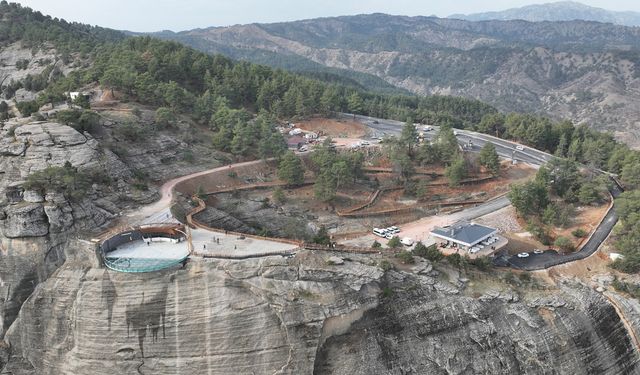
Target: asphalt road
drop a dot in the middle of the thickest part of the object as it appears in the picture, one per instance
(508, 150)
(505, 149)
(549, 259)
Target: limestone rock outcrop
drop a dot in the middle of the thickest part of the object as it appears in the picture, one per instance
(35, 227)
(26, 220)
(304, 316)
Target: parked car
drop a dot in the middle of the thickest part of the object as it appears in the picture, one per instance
(538, 251)
(407, 241)
(304, 149)
(427, 128)
(474, 250)
(523, 255)
(364, 143)
(389, 236)
(380, 232)
(393, 229)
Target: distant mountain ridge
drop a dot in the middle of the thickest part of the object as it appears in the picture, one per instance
(583, 70)
(558, 11)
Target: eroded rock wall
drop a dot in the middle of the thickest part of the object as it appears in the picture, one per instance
(417, 331)
(257, 316)
(305, 316)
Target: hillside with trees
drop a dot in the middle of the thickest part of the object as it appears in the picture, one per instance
(584, 71)
(240, 104)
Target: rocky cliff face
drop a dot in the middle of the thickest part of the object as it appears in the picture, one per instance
(304, 316)
(35, 226)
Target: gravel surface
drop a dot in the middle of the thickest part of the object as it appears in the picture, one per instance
(504, 220)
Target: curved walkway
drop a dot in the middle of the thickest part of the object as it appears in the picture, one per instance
(532, 156)
(166, 192)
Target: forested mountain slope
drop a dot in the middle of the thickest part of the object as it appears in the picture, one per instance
(585, 71)
(557, 11)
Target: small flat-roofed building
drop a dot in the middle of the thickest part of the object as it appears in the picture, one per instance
(464, 235)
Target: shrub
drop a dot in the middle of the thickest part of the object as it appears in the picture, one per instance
(265, 203)
(187, 155)
(631, 289)
(322, 237)
(387, 292)
(66, 179)
(406, 257)
(22, 64)
(82, 102)
(525, 277)
(394, 242)
(80, 120)
(629, 264)
(540, 232)
(376, 245)
(164, 117)
(431, 252)
(457, 260)
(579, 233)
(483, 263)
(200, 193)
(278, 195)
(385, 265)
(510, 278)
(27, 108)
(129, 132)
(564, 244)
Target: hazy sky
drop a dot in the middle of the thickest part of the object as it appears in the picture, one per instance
(155, 15)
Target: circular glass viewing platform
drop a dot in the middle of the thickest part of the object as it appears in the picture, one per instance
(146, 249)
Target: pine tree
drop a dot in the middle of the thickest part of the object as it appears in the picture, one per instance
(575, 150)
(354, 103)
(489, 158)
(561, 149)
(456, 172)
(409, 136)
(324, 188)
(291, 170)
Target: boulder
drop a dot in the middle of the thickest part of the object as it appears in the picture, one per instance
(25, 220)
(60, 219)
(32, 196)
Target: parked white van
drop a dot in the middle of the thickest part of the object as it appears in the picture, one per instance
(407, 241)
(380, 232)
